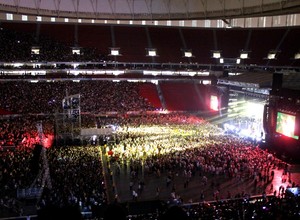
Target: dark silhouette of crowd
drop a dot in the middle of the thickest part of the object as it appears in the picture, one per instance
(15, 174)
(21, 43)
(77, 178)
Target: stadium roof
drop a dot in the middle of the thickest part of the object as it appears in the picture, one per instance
(291, 80)
(250, 79)
(150, 9)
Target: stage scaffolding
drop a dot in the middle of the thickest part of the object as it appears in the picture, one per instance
(68, 123)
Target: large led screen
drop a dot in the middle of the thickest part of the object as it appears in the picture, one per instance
(214, 103)
(285, 124)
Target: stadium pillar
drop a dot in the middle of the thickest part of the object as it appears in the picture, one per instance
(297, 124)
(276, 83)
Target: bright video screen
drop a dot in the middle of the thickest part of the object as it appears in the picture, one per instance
(285, 124)
(214, 103)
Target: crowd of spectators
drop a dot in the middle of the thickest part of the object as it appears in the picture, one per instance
(16, 173)
(159, 144)
(21, 44)
(77, 178)
(18, 138)
(175, 145)
(70, 168)
(95, 96)
(170, 144)
(21, 131)
(163, 144)
(189, 148)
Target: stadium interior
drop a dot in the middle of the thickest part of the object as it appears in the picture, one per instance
(140, 110)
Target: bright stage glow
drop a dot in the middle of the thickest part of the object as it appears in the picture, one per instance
(252, 131)
(254, 110)
(245, 118)
(245, 108)
(285, 124)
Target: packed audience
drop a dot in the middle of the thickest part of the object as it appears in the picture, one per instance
(18, 138)
(21, 162)
(50, 50)
(167, 143)
(77, 178)
(16, 173)
(21, 131)
(163, 144)
(200, 150)
(192, 148)
(95, 96)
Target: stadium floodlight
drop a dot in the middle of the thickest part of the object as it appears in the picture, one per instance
(244, 55)
(216, 54)
(76, 50)
(151, 52)
(272, 55)
(187, 53)
(38, 18)
(35, 50)
(297, 56)
(115, 52)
